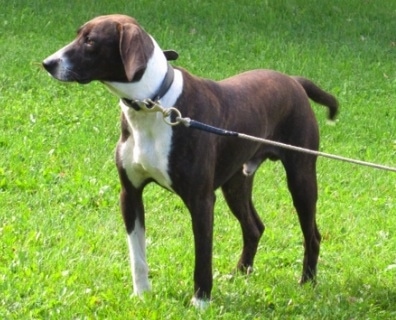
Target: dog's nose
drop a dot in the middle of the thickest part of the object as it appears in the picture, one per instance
(50, 64)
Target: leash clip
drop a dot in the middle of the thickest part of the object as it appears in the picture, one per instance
(149, 105)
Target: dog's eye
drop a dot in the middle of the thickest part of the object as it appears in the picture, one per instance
(89, 41)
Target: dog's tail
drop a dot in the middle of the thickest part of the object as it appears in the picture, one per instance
(319, 96)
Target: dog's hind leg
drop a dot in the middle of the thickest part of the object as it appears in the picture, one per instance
(238, 194)
(301, 179)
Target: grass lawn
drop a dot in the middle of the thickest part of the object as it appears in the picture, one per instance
(63, 253)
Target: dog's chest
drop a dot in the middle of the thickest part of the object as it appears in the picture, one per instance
(145, 153)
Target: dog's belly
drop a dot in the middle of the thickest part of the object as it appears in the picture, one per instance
(144, 155)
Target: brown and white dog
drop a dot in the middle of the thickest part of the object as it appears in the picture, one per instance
(115, 50)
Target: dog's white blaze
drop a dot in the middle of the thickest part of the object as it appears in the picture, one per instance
(137, 251)
(62, 71)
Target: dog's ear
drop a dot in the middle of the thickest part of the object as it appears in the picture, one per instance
(136, 47)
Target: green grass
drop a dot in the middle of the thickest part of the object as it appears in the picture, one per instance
(63, 253)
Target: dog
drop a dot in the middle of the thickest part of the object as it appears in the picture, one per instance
(115, 50)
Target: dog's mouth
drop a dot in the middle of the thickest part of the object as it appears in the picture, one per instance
(72, 79)
(67, 75)
(83, 81)
(74, 76)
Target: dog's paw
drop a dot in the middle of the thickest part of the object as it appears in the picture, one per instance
(140, 288)
(244, 270)
(249, 270)
(200, 304)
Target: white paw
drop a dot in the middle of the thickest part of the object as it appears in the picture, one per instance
(200, 304)
(141, 287)
(249, 270)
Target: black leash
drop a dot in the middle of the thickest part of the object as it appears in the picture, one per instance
(153, 106)
(207, 128)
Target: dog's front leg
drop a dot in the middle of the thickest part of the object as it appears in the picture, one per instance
(133, 213)
(201, 209)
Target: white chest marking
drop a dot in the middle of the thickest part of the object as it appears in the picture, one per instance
(146, 152)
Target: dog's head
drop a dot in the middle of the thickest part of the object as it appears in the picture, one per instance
(107, 48)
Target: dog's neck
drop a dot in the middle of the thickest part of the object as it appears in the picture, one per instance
(154, 83)
(162, 90)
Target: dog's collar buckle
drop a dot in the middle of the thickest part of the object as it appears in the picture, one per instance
(163, 89)
(134, 104)
(146, 105)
